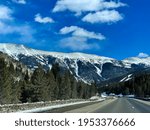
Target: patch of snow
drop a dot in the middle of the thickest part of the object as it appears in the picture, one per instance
(122, 79)
(17, 79)
(112, 94)
(127, 78)
(119, 95)
(76, 68)
(26, 51)
(54, 107)
(16, 49)
(50, 66)
(97, 98)
(127, 65)
(130, 96)
(104, 95)
(137, 60)
(99, 71)
(35, 67)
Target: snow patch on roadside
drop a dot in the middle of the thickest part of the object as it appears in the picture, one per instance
(57, 106)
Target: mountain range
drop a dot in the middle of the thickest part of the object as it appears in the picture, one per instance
(85, 67)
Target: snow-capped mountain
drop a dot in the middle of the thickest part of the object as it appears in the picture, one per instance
(85, 67)
(137, 60)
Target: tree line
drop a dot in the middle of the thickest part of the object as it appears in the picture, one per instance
(139, 86)
(41, 85)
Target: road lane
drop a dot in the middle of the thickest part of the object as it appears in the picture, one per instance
(117, 105)
(142, 107)
(91, 108)
(125, 105)
(120, 105)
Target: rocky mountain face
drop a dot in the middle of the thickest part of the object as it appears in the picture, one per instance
(85, 67)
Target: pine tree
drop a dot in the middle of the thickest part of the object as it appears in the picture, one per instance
(39, 84)
(80, 89)
(65, 87)
(55, 70)
(16, 92)
(52, 86)
(57, 77)
(93, 89)
(27, 77)
(6, 83)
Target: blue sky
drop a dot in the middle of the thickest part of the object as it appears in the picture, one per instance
(112, 28)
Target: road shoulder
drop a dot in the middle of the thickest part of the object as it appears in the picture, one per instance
(142, 101)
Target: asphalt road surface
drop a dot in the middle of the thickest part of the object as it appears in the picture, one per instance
(119, 105)
(126, 105)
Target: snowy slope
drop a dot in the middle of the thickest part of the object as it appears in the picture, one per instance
(85, 67)
(14, 50)
(138, 60)
(127, 78)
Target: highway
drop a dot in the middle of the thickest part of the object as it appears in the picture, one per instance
(126, 105)
(118, 105)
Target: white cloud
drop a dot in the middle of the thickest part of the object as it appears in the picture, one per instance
(143, 55)
(80, 32)
(5, 29)
(19, 1)
(105, 16)
(25, 32)
(8, 26)
(79, 6)
(5, 13)
(38, 18)
(79, 39)
(112, 4)
(77, 44)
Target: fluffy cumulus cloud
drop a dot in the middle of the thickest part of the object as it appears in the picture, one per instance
(77, 44)
(97, 11)
(8, 26)
(143, 55)
(105, 16)
(79, 6)
(80, 32)
(94, 11)
(78, 39)
(5, 13)
(19, 1)
(38, 18)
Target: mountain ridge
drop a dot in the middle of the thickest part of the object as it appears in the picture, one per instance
(74, 54)
(5, 46)
(86, 67)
